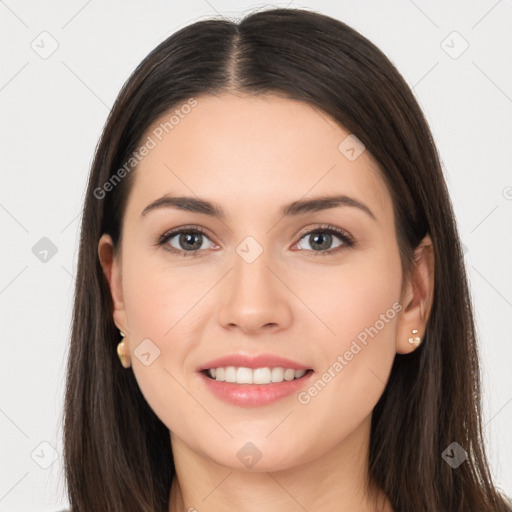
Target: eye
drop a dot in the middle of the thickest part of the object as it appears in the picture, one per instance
(185, 241)
(321, 239)
(190, 240)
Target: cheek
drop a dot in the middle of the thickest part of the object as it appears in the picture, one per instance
(161, 299)
(162, 305)
(165, 304)
(353, 297)
(359, 302)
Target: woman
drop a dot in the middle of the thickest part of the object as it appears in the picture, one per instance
(316, 351)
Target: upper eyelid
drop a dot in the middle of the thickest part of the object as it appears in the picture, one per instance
(337, 231)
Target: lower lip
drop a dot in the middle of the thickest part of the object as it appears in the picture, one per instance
(255, 395)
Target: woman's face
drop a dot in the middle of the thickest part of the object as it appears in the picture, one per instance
(259, 281)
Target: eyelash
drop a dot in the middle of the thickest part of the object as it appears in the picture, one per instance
(348, 240)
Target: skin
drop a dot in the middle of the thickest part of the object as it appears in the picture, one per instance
(251, 155)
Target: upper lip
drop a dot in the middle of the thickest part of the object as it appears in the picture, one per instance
(256, 361)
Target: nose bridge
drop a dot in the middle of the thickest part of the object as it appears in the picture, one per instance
(254, 272)
(251, 275)
(254, 296)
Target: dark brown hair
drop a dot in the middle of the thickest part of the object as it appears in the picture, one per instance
(117, 452)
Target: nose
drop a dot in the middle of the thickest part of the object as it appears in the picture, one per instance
(255, 298)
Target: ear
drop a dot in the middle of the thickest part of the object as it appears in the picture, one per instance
(417, 298)
(111, 264)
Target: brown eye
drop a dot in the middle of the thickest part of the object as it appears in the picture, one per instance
(189, 241)
(321, 240)
(186, 242)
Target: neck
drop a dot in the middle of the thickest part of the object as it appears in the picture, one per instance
(336, 479)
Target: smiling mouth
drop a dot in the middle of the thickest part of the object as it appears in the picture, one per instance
(258, 376)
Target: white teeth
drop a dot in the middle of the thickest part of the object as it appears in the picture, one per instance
(277, 374)
(244, 375)
(289, 374)
(261, 376)
(230, 375)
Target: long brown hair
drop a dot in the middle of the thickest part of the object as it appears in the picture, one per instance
(117, 452)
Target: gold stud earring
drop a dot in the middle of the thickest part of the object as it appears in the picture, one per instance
(123, 353)
(416, 340)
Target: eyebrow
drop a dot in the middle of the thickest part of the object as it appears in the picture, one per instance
(197, 205)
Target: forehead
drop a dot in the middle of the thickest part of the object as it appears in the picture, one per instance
(245, 151)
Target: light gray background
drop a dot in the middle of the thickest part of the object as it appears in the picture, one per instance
(53, 110)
